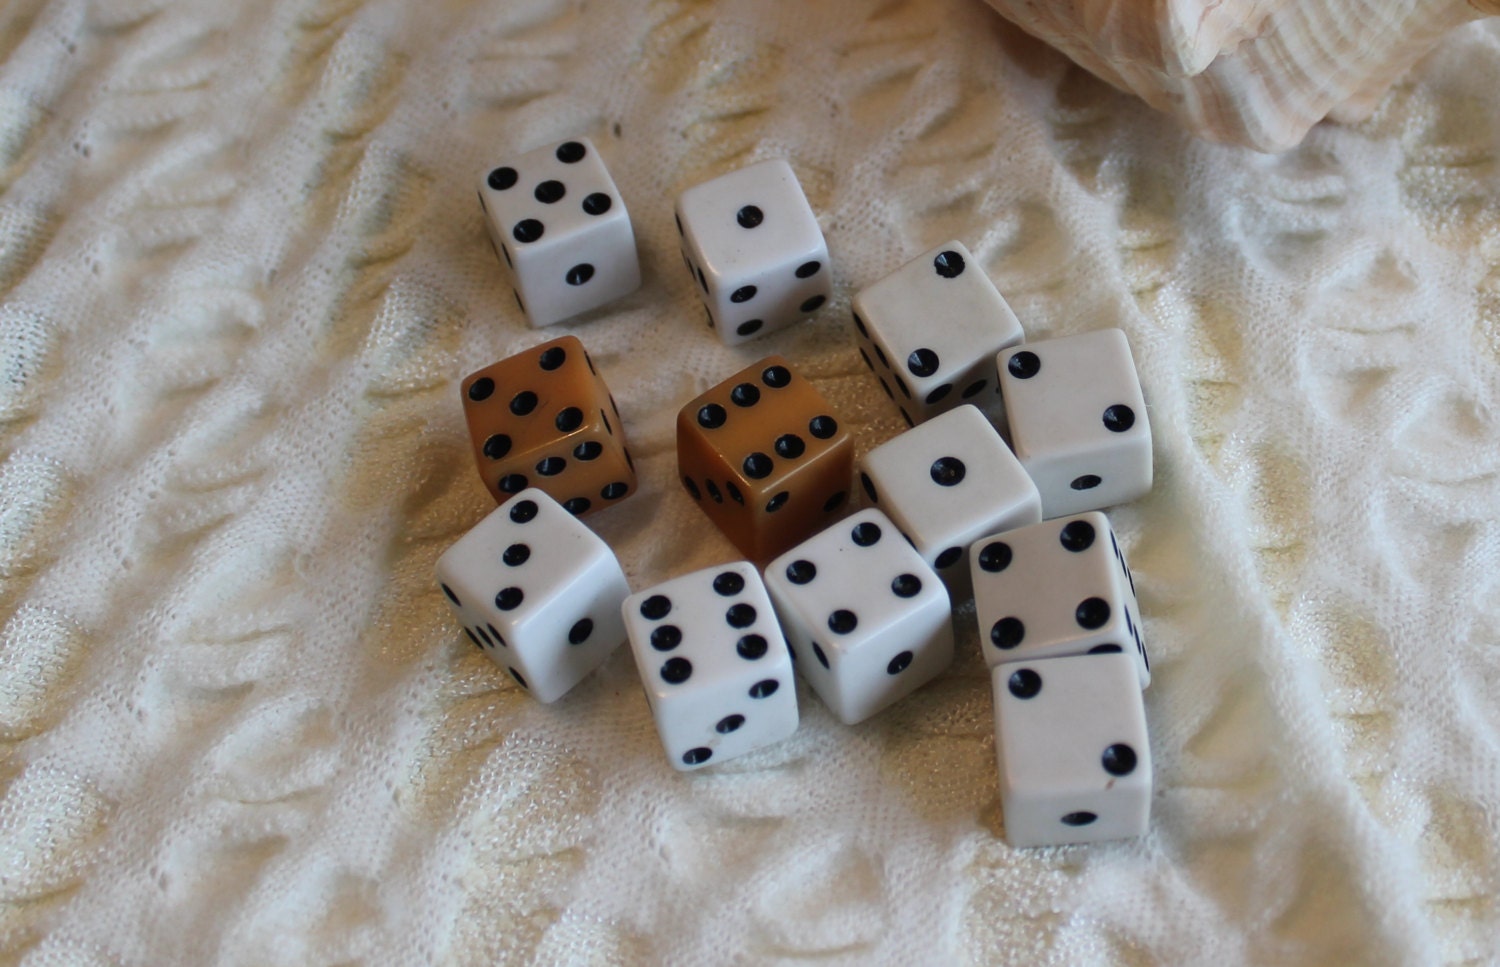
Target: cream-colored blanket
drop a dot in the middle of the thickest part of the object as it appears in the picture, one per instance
(242, 271)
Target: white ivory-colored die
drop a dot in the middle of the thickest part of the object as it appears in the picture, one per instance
(557, 220)
(947, 482)
(1078, 420)
(538, 592)
(930, 331)
(1056, 588)
(715, 666)
(754, 249)
(870, 622)
(1070, 739)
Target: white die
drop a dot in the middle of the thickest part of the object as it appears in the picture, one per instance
(753, 246)
(538, 592)
(1070, 739)
(1056, 588)
(1078, 420)
(869, 620)
(930, 331)
(716, 669)
(556, 218)
(946, 483)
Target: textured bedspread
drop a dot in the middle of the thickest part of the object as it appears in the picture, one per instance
(242, 270)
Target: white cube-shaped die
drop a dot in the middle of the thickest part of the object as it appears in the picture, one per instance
(947, 482)
(754, 249)
(1070, 739)
(715, 666)
(538, 592)
(557, 220)
(1078, 420)
(930, 331)
(869, 621)
(1056, 588)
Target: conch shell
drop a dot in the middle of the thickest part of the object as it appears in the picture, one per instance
(1250, 72)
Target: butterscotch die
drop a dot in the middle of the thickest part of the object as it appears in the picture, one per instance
(765, 458)
(544, 418)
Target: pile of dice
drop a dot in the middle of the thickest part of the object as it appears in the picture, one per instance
(862, 603)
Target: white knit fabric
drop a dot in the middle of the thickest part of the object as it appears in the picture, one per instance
(242, 270)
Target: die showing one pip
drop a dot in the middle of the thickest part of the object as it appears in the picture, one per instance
(1056, 588)
(1078, 420)
(538, 592)
(1070, 739)
(867, 618)
(753, 246)
(930, 330)
(544, 418)
(716, 669)
(557, 220)
(764, 457)
(947, 482)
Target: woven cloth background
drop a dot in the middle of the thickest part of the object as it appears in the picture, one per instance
(242, 271)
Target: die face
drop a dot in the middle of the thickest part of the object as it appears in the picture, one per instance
(946, 483)
(930, 330)
(765, 458)
(538, 592)
(1071, 742)
(754, 249)
(1078, 420)
(869, 621)
(715, 666)
(545, 418)
(1057, 588)
(560, 225)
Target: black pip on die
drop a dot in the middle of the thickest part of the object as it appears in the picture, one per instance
(947, 482)
(557, 220)
(869, 621)
(764, 457)
(1070, 739)
(538, 592)
(1056, 588)
(754, 250)
(1078, 420)
(716, 669)
(930, 331)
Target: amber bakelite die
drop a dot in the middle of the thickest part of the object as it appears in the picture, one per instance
(544, 418)
(764, 456)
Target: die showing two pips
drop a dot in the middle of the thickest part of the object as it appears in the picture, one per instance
(929, 331)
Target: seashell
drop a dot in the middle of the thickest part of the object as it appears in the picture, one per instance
(1253, 72)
